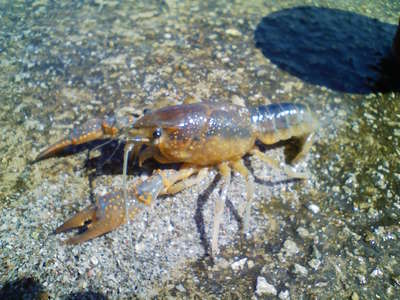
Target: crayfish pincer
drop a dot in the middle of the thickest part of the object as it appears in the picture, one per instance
(198, 137)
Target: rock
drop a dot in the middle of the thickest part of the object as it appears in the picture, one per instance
(94, 260)
(303, 232)
(115, 60)
(180, 288)
(284, 295)
(300, 270)
(233, 32)
(376, 273)
(238, 265)
(265, 288)
(225, 60)
(314, 208)
(355, 296)
(314, 263)
(290, 248)
(250, 264)
(261, 73)
(238, 100)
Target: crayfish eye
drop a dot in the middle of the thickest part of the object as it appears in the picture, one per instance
(157, 133)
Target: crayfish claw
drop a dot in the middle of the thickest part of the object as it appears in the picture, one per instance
(95, 229)
(92, 130)
(78, 220)
(106, 215)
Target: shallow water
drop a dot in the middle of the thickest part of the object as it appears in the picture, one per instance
(333, 235)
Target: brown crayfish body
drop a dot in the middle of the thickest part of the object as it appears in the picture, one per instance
(199, 136)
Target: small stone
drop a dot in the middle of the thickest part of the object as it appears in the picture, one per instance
(83, 284)
(139, 247)
(238, 101)
(221, 263)
(314, 263)
(290, 248)
(250, 264)
(180, 288)
(314, 208)
(337, 100)
(300, 270)
(238, 265)
(225, 60)
(355, 296)
(233, 32)
(35, 235)
(18, 77)
(265, 288)
(94, 260)
(284, 295)
(115, 60)
(303, 232)
(376, 273)
(261, 73)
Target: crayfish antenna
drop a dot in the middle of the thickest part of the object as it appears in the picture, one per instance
(112, 154)
(128, 148)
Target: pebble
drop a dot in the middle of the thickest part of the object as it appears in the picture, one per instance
(221, 263)
(300, 270)
(250, 264)
(238, 100)
(284, 295)
(261, 73)
(303, 232)
(233, 32)
(265, 288)
(314, 208)
(314, 263)
(290, 248)
(354, 296)
(238, 265)
(376, 273)
(225, 60)
(180, 288)
(139, 247)
(94, 260)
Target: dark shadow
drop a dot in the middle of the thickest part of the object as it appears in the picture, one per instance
(198, 216)
(341, 50)
(238, 218)
(24, 288)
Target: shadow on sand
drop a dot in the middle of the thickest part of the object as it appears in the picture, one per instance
(343, 51)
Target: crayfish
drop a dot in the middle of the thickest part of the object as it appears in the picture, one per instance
(197, 136)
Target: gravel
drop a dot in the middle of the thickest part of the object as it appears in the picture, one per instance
(335, 234)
